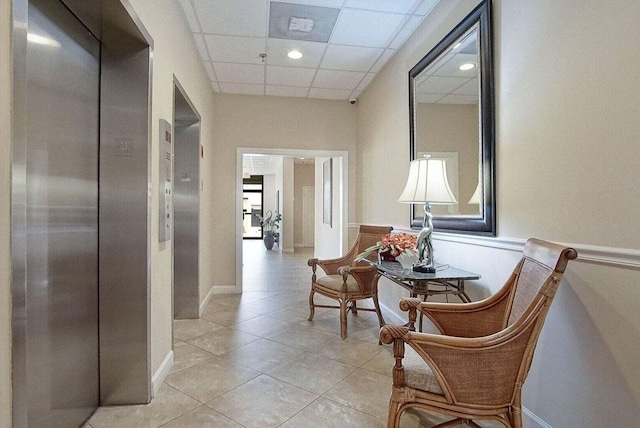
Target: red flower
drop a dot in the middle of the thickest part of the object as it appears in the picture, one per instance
(397, 243)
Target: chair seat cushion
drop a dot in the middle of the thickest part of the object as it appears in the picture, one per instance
(418, 374)
(334, 282)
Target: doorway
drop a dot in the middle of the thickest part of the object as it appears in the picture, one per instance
(327, 240)
(186, 206)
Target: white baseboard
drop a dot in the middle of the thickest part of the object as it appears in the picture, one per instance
(530, 420)
(303, 245)
(223, 289)
(287, 250)
(206, 299)
(160, 374)
(396, 320)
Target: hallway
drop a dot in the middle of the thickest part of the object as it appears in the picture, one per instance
(255, 361)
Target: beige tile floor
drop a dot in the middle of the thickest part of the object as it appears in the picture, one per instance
(253, 360)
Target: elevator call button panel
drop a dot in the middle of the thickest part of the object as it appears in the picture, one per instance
(166, 185)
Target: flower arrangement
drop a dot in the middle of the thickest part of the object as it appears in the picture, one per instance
(393, 244)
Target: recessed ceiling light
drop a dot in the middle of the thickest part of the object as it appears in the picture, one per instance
(294, 54)
(467, 66)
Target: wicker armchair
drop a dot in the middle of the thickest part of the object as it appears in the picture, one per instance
(476, 368)
(348, 282)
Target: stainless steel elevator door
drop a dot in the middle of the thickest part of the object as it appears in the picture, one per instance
(186, 206)
(63, 77)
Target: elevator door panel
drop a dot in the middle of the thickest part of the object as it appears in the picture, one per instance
(63, 71)
(186, 301)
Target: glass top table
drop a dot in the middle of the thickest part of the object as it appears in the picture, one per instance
(446, 280)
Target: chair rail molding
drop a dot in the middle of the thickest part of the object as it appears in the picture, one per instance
(610, 256)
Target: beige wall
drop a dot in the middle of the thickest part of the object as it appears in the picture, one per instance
(274, 123)
(303, 175)
(452, 128)
(174, 54)
(5, 225)
(286, 229)
(567, 150)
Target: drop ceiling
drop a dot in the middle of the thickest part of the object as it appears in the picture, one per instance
(231, 35)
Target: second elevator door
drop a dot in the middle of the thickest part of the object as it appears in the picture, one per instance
(63, 76)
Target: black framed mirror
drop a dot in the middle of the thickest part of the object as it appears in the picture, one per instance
(451, 109)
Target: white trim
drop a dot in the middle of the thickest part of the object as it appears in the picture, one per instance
(618, 257)
(539, 423)
(288, 250)
(162, 372)
(397, 320)
(224, 289)
(303, 245)
(611, 256)
(206, 299)
(343, 191)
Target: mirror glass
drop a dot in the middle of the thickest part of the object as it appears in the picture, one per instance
(451, 106)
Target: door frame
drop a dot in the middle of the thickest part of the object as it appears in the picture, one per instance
(343, 191)
(177, 87)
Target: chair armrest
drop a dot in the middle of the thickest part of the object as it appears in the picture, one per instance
(365, 276)
(330, 266)
(473, 319)
(465, 368)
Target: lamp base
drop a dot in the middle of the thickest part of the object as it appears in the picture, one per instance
(424, 269)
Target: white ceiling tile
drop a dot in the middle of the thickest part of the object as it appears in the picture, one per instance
(365, 28)
(329, 94)
(190, 15)
(287, 91)
(440, 85)
(245, 50)
(277, 50)
(382, 60)
(209, 67)
(365, 82)
(331, 79)
(350, 58)
(428, 98)
(239, 88)
(426, 7)
(239, 73)
(324, 3)
(408, 28)
(469, 88)
(458, 99)
(396, 6)
(289, 76)
(230, 35)
(233, 17)
(202, 47)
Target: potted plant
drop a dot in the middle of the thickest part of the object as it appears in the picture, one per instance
(270, 226)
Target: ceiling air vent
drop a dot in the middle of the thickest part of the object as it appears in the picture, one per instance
(301, 22)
